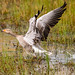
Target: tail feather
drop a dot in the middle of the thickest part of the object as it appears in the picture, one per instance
(40, 50)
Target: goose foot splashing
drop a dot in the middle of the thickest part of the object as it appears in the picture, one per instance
(38, 30)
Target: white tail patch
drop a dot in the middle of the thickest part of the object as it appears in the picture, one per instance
(37, 50)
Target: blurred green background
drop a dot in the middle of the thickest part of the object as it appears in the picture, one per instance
(15, 14)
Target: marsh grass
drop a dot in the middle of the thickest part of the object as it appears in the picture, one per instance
(48, 65)
(15, 14)
(19, 66)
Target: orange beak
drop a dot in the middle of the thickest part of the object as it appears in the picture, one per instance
(4, 30)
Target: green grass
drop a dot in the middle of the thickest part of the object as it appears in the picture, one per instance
(10, 65)
(15, 14)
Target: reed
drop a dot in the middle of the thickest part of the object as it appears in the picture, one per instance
(15, 14)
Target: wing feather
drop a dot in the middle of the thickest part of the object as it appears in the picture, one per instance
(49, 20)
(39, 28)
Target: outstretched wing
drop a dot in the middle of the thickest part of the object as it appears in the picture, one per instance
(39, 28)
(31, 33)
(49, 20)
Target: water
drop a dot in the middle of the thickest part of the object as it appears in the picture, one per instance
(62, 57)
